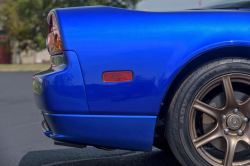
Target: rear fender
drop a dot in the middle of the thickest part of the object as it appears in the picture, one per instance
(61, 89)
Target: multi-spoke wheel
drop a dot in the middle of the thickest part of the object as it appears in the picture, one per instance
(208, 120)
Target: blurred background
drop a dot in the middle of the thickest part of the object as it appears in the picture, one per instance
(23, 32)
(23, 26)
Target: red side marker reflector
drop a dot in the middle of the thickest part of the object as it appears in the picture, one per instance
(117, 76)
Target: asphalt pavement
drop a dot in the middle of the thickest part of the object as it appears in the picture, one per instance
(22, 142)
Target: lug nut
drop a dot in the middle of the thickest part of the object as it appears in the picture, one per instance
(224, 117)
(226, 131)
(245, 119)
(239, 132)
(235, 110)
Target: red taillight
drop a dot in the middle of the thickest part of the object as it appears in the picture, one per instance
(50, 24)
(117, 76)
(54, 41)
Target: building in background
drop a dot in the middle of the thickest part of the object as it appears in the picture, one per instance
(42, 56)
(32, 57)
(28, 56)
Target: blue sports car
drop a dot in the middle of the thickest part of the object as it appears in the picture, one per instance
(131, 79)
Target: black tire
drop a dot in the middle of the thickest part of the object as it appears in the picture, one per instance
(177, 118)
(163, 145)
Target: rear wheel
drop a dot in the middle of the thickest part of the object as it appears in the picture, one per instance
(208, 120)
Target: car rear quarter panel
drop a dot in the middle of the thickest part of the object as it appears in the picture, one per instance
(61, 88)
(155, 46)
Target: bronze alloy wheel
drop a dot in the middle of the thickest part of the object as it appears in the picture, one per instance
(229, 120)
(208, 120)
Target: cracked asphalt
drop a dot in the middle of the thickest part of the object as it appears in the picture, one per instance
(22, 142)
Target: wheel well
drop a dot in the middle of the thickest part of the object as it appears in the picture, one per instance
(190, 67)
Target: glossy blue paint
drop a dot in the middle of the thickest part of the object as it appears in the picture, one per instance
(155, 46)
(48, 133)
(125, 132)
(63, 88)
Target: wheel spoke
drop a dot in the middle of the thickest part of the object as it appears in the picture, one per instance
(246, 136)
(246, 106)
(208, 137)
(230, 98)
(229, 156)
(211, 111)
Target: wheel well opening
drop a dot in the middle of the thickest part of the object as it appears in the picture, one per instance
(200, 60)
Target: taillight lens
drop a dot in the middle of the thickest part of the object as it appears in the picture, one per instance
(117, 76)
(58, 60)
(54, 41)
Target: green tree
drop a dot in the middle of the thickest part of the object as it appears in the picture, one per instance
(25, 21)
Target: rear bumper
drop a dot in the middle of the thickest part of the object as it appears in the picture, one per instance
(45, 127)
(61, 89)
(123, 132)
(59, 92)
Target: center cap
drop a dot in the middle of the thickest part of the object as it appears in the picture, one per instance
(234, 122)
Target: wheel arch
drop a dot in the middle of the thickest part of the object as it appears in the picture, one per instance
(205, 57)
